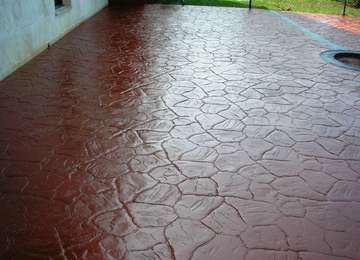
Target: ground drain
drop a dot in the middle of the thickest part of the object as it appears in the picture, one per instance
(343, 59)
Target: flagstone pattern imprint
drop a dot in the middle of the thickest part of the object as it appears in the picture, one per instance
(168, 132)
(348, 23)
(345, 33)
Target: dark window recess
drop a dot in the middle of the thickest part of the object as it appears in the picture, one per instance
(59, 3)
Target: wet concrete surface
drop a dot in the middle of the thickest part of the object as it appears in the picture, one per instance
(163, 132)
(348, 23)
(336, 31)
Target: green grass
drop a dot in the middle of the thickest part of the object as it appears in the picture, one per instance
(311, 6)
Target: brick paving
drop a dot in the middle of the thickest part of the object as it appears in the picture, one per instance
(168, 132)
(348, 23)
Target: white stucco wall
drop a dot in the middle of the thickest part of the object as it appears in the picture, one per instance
(27, 26)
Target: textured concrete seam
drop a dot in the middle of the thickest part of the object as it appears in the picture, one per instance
(329, 44)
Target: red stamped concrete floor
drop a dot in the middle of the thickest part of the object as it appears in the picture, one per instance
(348, 23)
(168, 132)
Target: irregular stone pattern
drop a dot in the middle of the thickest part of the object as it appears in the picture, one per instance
(168, 132)
(348, 23)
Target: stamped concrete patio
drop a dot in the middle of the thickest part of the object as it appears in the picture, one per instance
(169, 132)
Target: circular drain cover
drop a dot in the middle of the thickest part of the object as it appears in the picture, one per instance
(344, 59)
